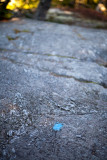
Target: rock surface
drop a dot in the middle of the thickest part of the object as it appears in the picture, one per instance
(67, 17)
(52, 73)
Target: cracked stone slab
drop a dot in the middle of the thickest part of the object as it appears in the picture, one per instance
(83, 71)
(48, 75)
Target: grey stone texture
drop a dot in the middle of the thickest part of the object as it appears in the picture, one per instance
(52, 73)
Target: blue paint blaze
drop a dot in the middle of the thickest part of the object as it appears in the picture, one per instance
(57, 126)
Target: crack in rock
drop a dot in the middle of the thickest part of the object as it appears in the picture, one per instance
(78, 79)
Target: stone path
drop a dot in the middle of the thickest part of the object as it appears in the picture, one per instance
(52, 73)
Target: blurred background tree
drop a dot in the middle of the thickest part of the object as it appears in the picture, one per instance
(42, 9)
(29, 4)
(28, 7)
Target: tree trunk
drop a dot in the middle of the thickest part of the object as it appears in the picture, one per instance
(42, 9)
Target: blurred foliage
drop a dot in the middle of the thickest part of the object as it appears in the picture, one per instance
(27, 7)
(62, 2)
(6, 14)
(92, 3)
(29, 4)
(71, 3)
(25, 4)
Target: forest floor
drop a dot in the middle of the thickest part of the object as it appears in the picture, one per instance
(52, 73)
